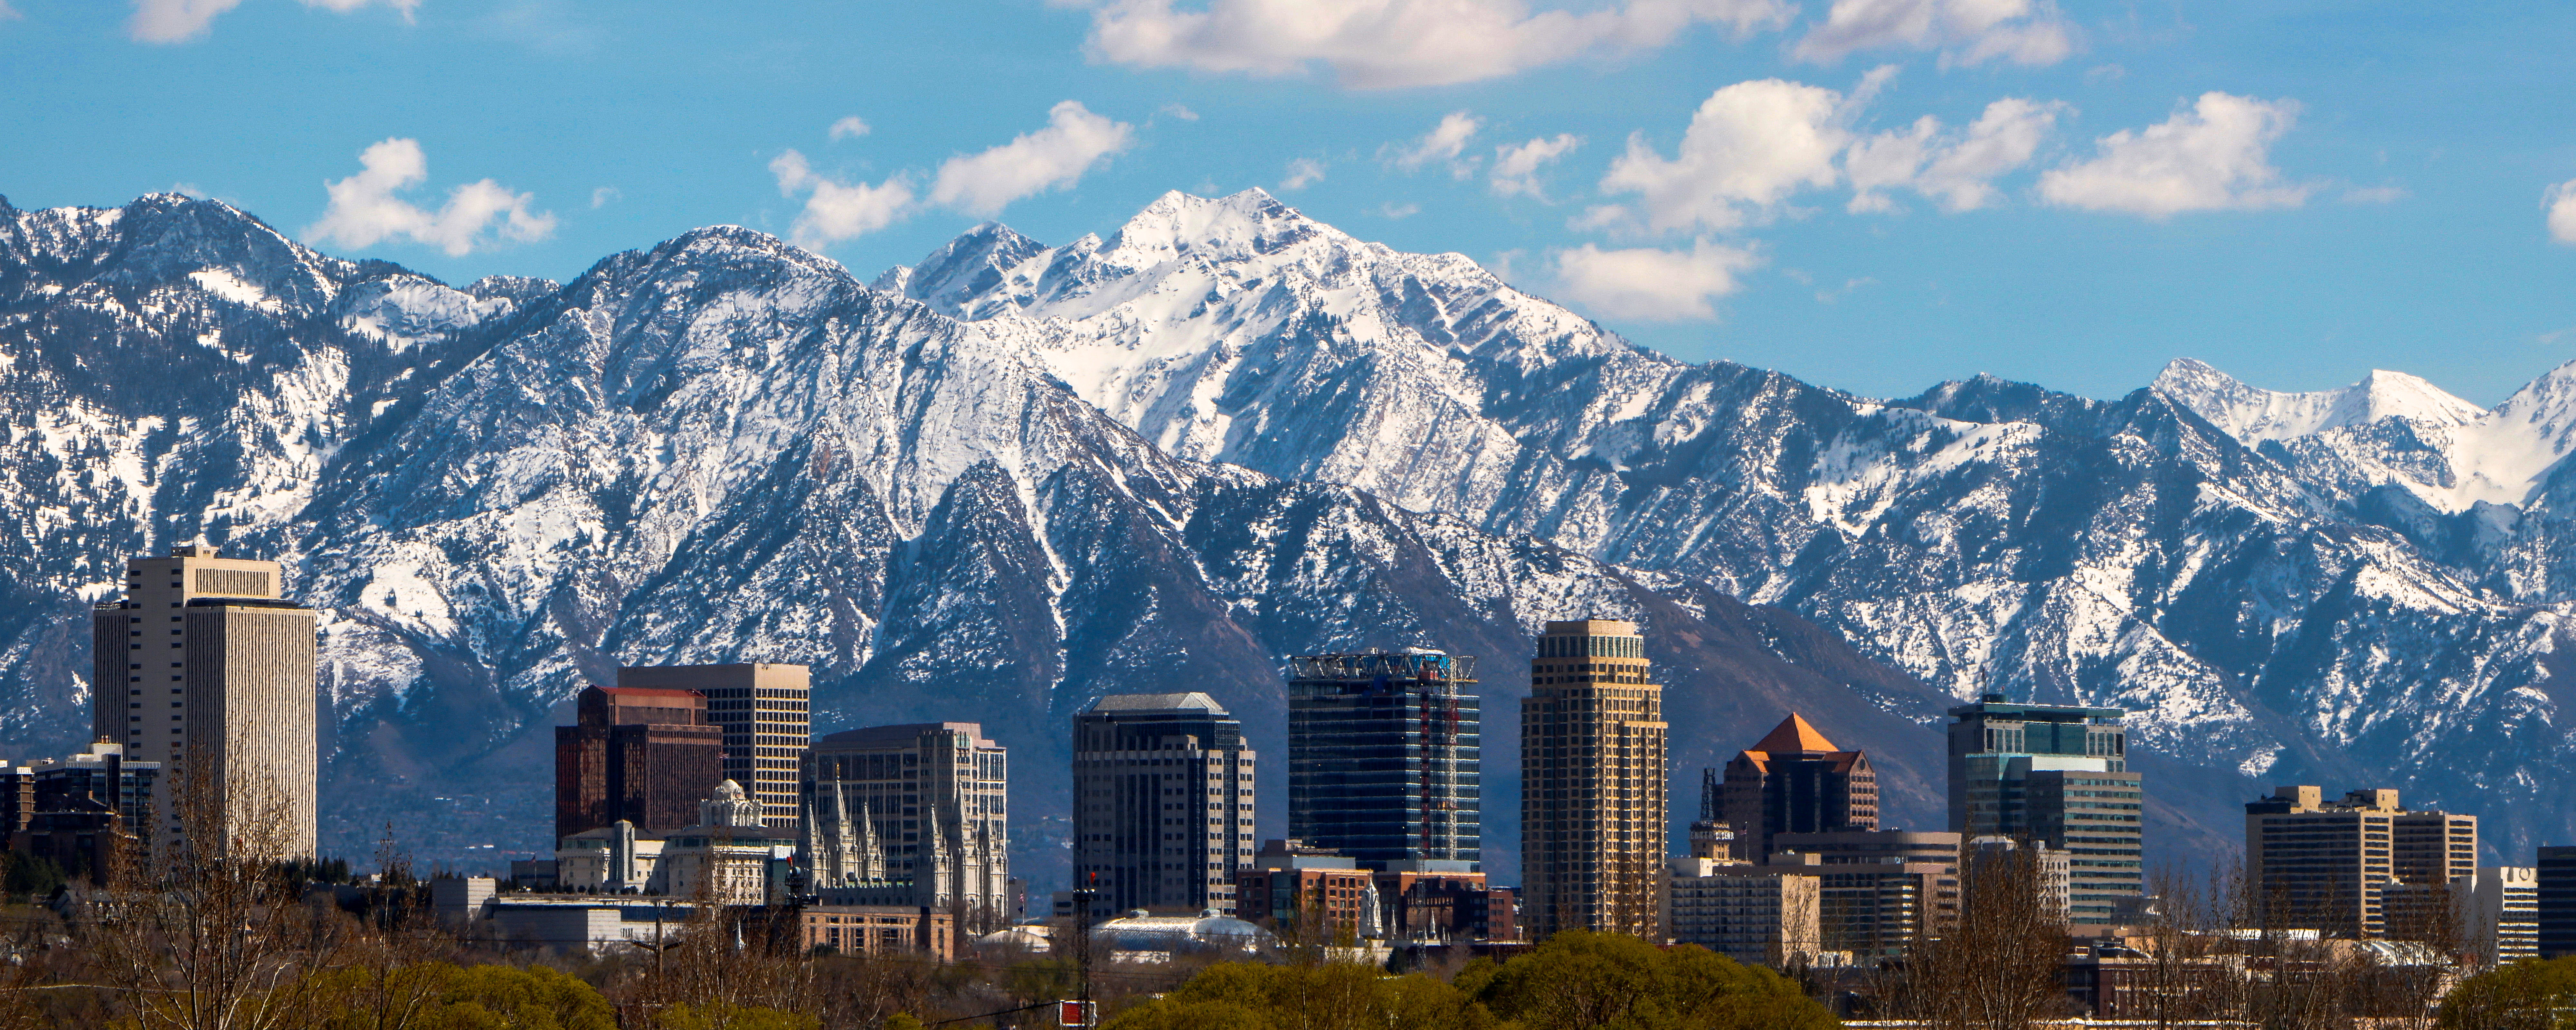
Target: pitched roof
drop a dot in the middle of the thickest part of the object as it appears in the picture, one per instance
(1794, 735)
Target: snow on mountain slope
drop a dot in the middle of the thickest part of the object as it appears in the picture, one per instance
(2253, 604)
(724, 448)
(2254, 415)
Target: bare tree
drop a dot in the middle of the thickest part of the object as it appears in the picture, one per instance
(211, 935)
(1998, 968)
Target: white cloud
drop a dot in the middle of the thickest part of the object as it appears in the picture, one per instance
(365, 210)
(851, 127)
(1748, 148)
(1074, 140)
(1970, 32)
(1444, 142)
(8, 13)
(836, 211)
(1178, 111)
(1652, 283)
(604, 196)
(172, 21)
(1956, 169)
(1388, 43)
(1392, 210)
(2561, 201)
(2215, 156)
(1302, 172)
(1516, 167)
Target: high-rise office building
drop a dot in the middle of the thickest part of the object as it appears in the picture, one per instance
(2501, 905)
(82, 811)
(1795, 781)
(1162, 804)
(1593, 792)
(917, 815)
(767, 717)
(1384, 759)
(636, 754)
(2557, 899)
(2359, 867)
(218, 688)
(2057, 775)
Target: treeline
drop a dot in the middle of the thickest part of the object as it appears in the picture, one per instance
(1575, 981)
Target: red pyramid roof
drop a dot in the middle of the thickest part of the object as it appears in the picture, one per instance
(1794, 735)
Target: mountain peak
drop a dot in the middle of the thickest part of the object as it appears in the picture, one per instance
(2253, 414)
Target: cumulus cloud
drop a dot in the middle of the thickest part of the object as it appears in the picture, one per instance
(1390, 43)
(604, 196)
(979, 184)
(1302, 172)
(1957, 170)
(836, 211)
(1652, 283)
(172, 21)
(2214, 156)
(1516, 166)
(2561, 202)
(1073, 141)
(1444, 142)
(1969, 32)
(1749, 146)
(1179, 111)
(364, 208)
(851, 127)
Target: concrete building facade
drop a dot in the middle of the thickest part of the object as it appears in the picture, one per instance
(218, 682)
(1162, 804)
(637, 755)
(1385, 759)
(2501, 906)
(917, 814)
(1757, 915)
(2057, 775)
(766, 711)
(2338, 865)
(1593, 790)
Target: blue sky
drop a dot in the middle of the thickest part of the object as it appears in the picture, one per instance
(2296, 192)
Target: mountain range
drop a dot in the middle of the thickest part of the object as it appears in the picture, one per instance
(1012, 478)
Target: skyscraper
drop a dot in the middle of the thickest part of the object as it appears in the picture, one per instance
(2057, 775)
(2557, 900)
(2358, 867)
(911, 815)
(218, 684)
(767, 718)
(1593, 802)
(1795, 781)
(642, 755)
(1162, 803)
(1383, 759)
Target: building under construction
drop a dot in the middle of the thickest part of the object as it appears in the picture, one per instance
(1383, 759)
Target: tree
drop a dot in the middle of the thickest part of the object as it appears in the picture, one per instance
(1998, 969)
(2527, 995)
(1590, 981)
(212, 935)
(1313, 996)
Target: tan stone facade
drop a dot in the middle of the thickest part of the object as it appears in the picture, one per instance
(767, 717)
(1593, 791)
(217, 684)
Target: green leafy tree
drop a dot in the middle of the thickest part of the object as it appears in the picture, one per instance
(720, 1016)
(484, 997)
(1592, 981)
(1318, 996)
(2527, 995)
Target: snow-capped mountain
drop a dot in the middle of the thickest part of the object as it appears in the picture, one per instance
(1012, 478)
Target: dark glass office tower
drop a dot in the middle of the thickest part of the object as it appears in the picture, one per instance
(1383, 759)
(2557, 902)
(2059, 775)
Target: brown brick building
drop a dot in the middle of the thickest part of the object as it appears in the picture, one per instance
(879, 930)
(645, 756)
